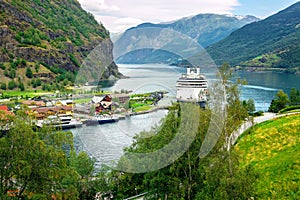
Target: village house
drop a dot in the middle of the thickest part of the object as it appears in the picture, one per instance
(122, 98)
(34, 104)
(41, 113)
(4, 112)
(67, 102)
(102, 104)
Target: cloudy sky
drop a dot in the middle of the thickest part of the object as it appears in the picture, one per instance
(118, 15)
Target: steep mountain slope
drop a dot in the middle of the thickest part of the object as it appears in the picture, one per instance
(273, 43)
(55, 36)
(206, 29)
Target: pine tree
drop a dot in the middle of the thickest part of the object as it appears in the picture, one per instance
(29, 72)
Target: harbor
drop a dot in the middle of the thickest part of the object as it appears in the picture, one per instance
(108, 108)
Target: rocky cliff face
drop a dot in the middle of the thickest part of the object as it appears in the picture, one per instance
(56, 34)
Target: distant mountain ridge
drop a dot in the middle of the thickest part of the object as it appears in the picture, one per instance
(272, 43)
(206, 29)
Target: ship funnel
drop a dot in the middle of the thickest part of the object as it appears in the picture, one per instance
(188, 70)
(198, 70)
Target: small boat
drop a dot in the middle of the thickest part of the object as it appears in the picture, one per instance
(101, 119)
(63, 123)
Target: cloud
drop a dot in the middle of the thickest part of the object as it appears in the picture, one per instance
(98, 6)
(118, 24)
(118, 15)
(123, 23)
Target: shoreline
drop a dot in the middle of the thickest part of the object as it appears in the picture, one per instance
(83, 117)
(268, 69)
(163, 104)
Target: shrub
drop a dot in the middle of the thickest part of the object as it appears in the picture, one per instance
(6, 73)
(29, 73)
(3, 86)
(12, 74)
(12, 85)
(2, 66)
(281, 101)
(258, 113)
(38, 82)
(289, 108)
(21, 86)
(74, 60)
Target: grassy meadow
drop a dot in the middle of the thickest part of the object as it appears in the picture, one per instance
(272, 148)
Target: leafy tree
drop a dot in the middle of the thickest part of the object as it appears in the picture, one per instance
(2, 66)
(12, 85)
(37, 67)
(6, 73)
(36, 40)
(236, 112)
(28, 72)
(225, 179)
(33, 83)
(73, 59)
(65, 82)
(46, 87)
(250, 106)
(3, 86)
(38, 82)
(280, 102)
(12, 74)
(21, 86)
(35, 163)
(13, 65)
(295, 96)
(84, 166)
(23, 62)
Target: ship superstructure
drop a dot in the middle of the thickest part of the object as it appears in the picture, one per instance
(192, 87)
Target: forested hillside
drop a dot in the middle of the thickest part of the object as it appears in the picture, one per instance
(270, 43)
(49, 38)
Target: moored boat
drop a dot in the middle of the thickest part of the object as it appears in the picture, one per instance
(101, 119)
(66, 122)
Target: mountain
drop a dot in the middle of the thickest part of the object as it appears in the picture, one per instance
(205, 29)
(270, 43)
(51, 38)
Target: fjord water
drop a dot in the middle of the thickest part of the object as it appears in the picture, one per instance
(106, 142)
(261, 86)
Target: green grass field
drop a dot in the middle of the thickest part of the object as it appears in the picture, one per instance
(82, 100)
(142, 108)
(273, 149)
(29, 93)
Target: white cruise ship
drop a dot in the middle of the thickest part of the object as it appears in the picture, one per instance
(192, 87)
